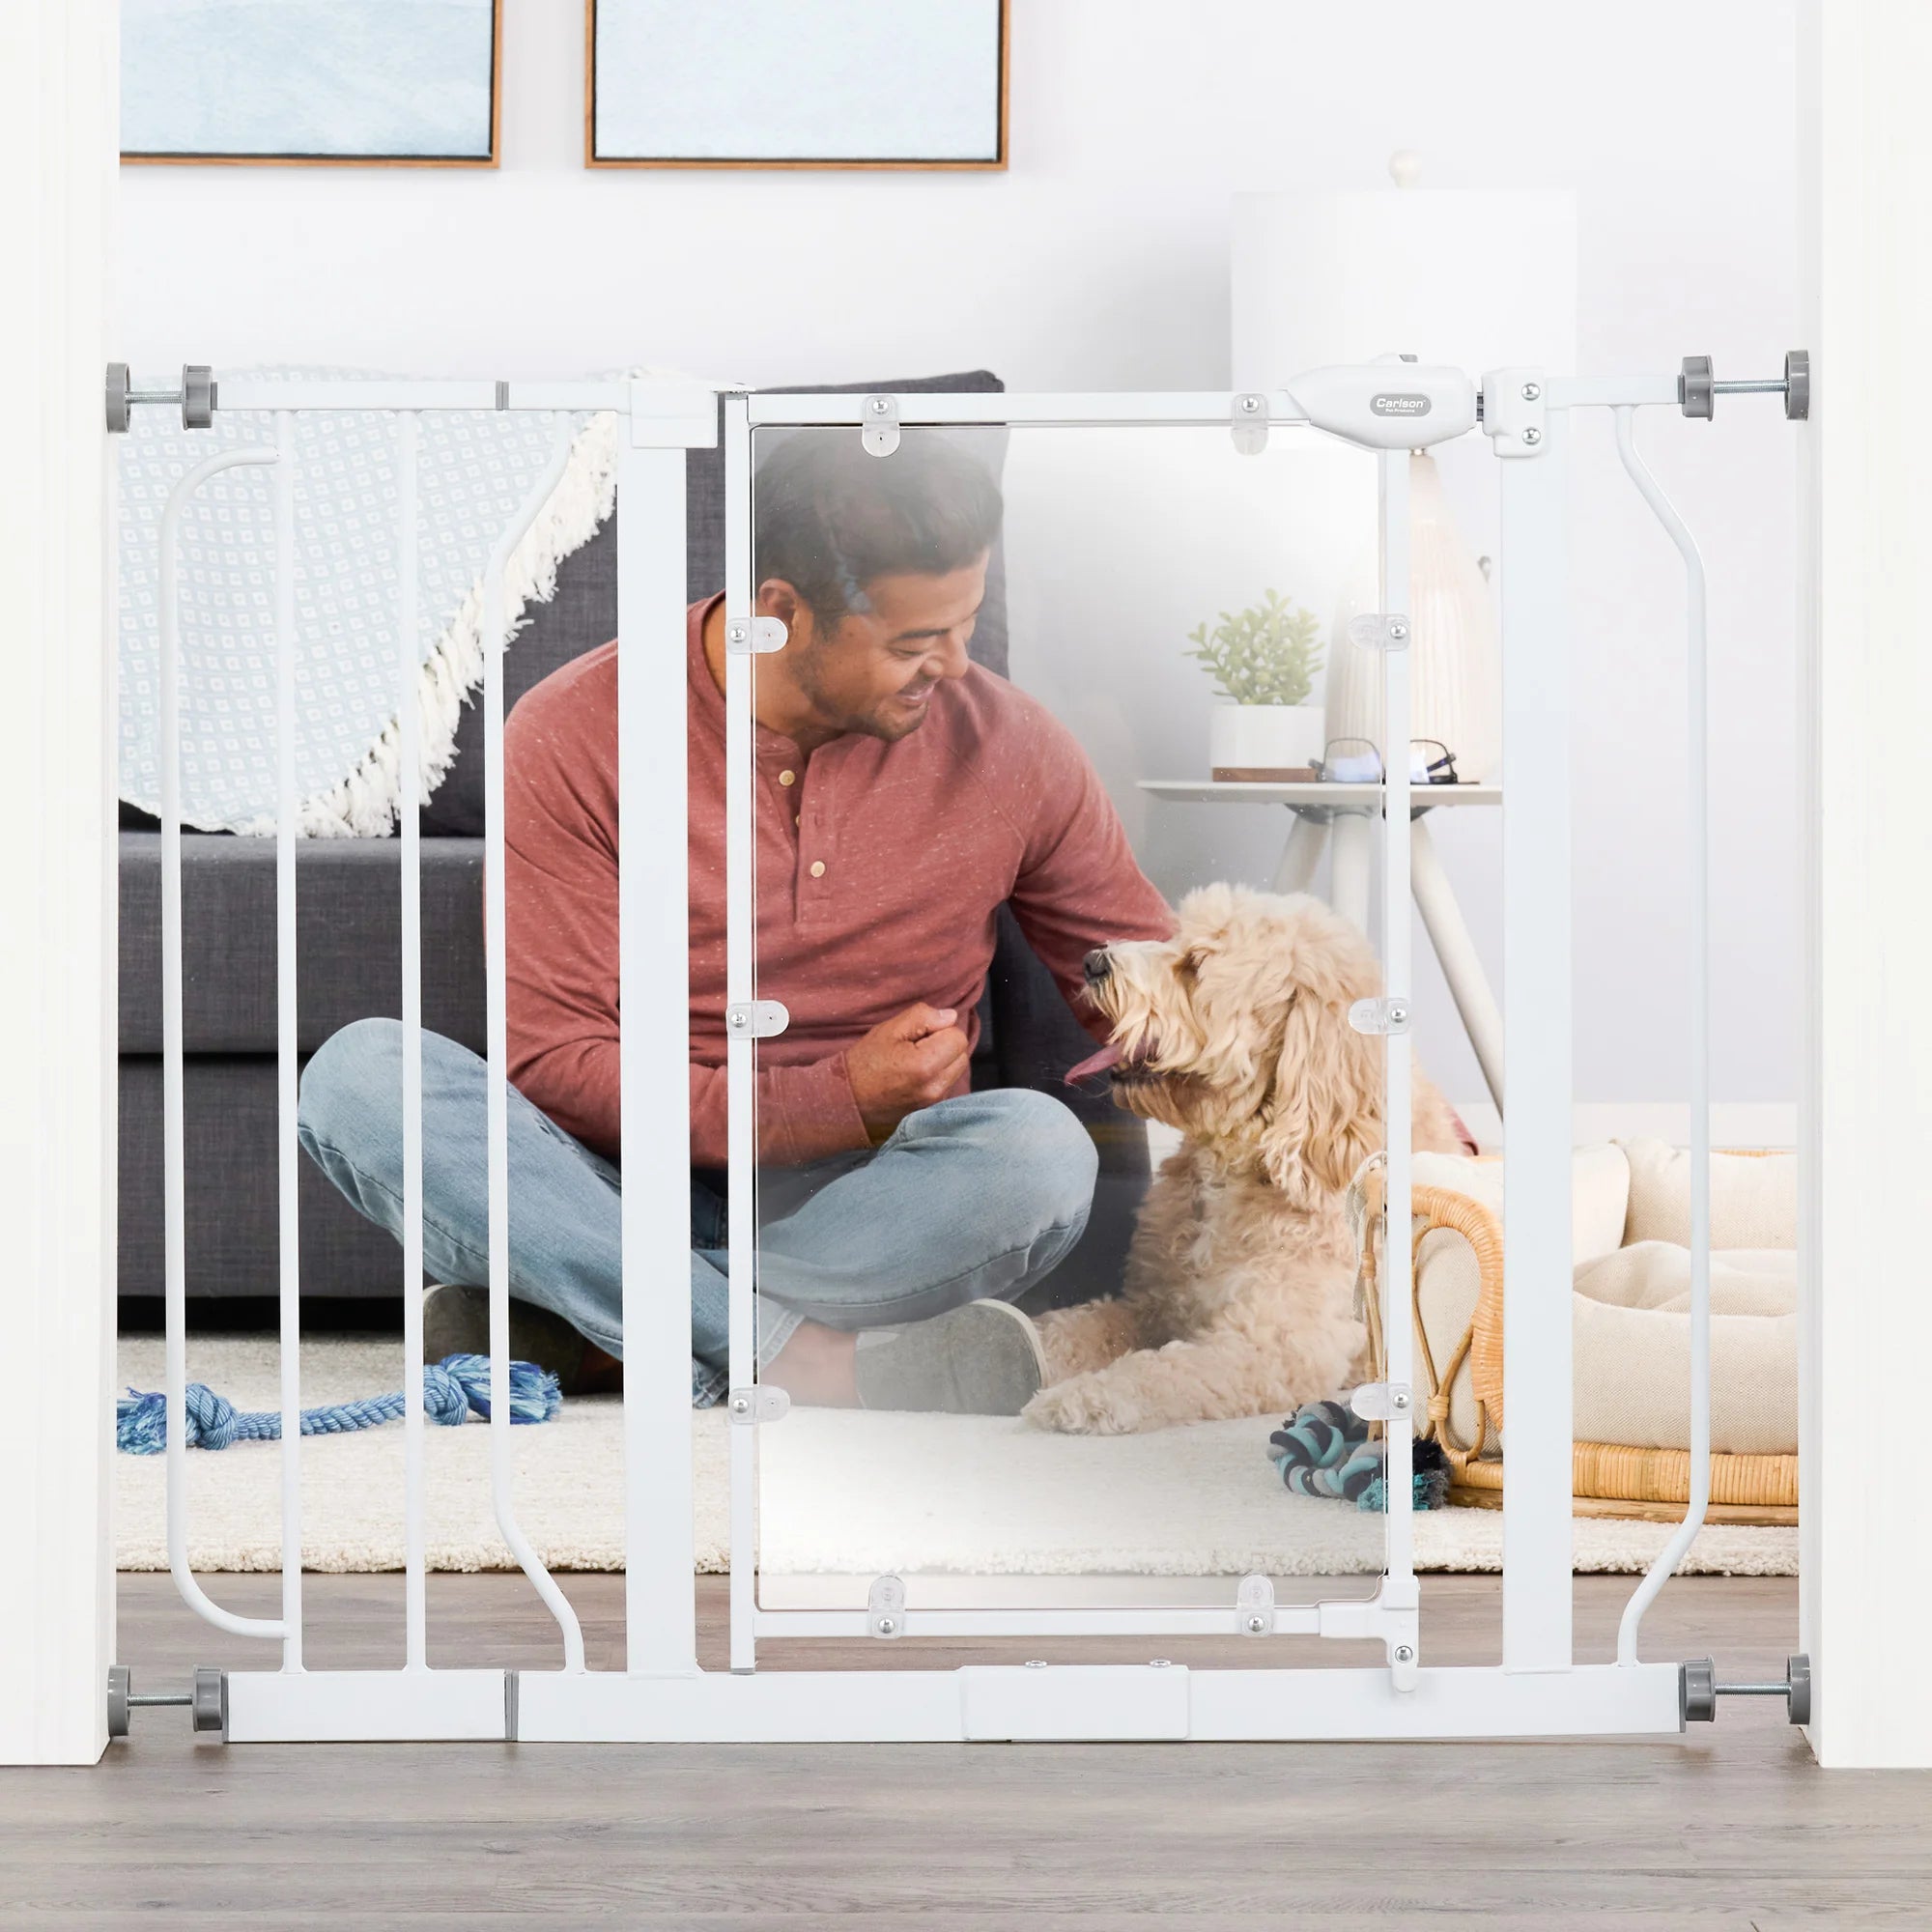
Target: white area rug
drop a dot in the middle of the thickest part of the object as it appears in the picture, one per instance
(840, 1494)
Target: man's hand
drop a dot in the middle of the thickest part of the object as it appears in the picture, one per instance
(904, 1063)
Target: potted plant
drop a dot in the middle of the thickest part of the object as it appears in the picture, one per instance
(1264, 659)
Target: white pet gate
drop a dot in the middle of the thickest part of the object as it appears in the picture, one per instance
(1384, 409)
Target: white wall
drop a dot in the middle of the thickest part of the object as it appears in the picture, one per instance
(1100, 260)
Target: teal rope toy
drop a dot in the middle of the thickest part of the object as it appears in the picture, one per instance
(452, 1390)
(1323, 1449)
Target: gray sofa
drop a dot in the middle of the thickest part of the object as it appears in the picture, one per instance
(348, 967)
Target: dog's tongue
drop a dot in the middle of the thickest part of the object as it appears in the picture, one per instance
(1097, 1062)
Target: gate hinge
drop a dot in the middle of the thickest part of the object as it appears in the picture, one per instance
(755, 1019)
(1379, 631)
(879, 424)
(765, 1401)
(1248, 417)
(885, 1606)
(1515, 414)
(1254, 1607)
(760, 635)
(1383, 1401)
(1389, 1015)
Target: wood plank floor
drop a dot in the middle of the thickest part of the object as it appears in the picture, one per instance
(1731, 1826)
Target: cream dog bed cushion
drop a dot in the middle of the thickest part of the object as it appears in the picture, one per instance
(1632, 1283)
(1632, 1348)
(1753, 1197)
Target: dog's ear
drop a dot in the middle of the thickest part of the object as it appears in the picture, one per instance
(1323, 1118)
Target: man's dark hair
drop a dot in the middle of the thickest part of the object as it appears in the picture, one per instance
(833, 518)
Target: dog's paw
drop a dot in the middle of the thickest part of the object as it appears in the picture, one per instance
(1086, 1405)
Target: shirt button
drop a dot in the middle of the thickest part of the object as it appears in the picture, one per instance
(818, 868)
(787, 778)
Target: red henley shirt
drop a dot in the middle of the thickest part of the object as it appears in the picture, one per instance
(880, 868)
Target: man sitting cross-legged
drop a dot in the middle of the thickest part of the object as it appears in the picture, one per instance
(903, 795)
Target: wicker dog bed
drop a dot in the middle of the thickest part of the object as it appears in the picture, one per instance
(1457, 1238)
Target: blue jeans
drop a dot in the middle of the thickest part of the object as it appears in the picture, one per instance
(979, 1196)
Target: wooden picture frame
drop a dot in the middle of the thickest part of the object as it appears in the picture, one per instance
(994, 163)
(138, 158)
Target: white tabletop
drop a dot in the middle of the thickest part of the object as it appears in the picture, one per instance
(1311, 792)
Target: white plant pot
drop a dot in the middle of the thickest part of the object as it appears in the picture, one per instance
(1255, 741)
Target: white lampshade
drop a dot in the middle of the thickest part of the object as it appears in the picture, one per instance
(1476, 280)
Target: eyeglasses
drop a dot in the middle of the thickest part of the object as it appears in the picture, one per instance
(1359, 762)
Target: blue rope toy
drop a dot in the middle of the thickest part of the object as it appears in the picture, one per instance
(1323, 1449)
(451, 1389)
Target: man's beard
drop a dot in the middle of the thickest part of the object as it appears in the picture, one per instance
(866, 723)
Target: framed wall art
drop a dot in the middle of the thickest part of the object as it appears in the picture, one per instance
(326, 83)
(779, 84)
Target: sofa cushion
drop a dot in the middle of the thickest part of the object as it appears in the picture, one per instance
(584, 612)
(348, 939)
(233, 1206)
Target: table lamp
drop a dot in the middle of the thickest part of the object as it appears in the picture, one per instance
(1481, 280)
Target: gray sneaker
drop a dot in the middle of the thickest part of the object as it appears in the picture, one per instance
(456, 1321)
(982, 1359)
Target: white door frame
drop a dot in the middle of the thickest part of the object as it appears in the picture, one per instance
(1865, 172)
(59, 115)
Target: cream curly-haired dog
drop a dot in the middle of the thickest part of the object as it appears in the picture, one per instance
(1241, 1282)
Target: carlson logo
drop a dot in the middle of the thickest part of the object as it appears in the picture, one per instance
(1399, 405)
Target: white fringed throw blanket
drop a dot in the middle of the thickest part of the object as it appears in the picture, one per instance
(474, 469)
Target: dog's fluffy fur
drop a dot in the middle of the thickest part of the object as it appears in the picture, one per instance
(1239, 1285)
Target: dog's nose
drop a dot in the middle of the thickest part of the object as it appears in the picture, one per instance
(1097, 966)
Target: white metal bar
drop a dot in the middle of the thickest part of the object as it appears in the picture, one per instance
(1398, 1323)
(1537, 1056)
(1240, 1705)
(1038, 1620)
(1699, 846)
(929, 1706)
(502, 1447)
(367, 1707)
(660, 1603)
(741, 1061)
(574, 396)
(1094, 409)
(409, 827)
(1572, 393)
(287, 1039)
(173, 1168)
(935, 1706)
(322, 393)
